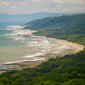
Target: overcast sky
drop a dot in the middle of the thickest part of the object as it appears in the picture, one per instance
(33, 6)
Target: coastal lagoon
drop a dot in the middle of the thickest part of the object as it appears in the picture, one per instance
(17, 45)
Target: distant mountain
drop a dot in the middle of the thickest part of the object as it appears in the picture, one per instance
(29, 17)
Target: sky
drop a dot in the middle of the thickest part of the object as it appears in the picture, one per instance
(14, 7)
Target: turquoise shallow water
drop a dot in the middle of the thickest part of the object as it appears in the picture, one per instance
(8, 46)
(16, 45)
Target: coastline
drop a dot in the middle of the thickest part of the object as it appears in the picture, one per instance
(22, 65)
(28, 64)
(31, 64)
(75, 46)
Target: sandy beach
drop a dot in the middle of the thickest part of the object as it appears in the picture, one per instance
(23, 65)
(75, 46)
(31, 64)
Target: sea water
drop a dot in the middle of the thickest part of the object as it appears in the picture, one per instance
(16, 45)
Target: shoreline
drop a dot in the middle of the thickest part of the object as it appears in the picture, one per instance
(22, 65)
(31, 64)
(27, 64)
(75, 46)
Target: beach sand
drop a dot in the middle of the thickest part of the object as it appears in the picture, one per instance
(23, 65)
(27, 64)
(2, 71)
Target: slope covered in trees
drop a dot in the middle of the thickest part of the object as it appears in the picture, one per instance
(71, 28)
(67, 70)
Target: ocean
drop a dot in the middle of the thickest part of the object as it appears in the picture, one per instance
(16, 45)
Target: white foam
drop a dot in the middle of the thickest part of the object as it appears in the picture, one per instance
(37, 59)
(18, 38)
(47, 47)
(43, 50)
(34, 55)
(12, 62)
(56, 52)
(17, 61)
(44, 41)
(17, 30)
(14, 27)
(39, 43)
(34, 42)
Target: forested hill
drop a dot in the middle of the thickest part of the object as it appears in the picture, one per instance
(71, 28)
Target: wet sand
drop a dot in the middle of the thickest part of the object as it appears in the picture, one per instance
(2, 71)
(26, 64)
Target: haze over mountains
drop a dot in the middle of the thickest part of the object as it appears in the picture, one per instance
(28, 17)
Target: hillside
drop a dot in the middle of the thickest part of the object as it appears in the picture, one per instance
(71, 28)
(67, 70)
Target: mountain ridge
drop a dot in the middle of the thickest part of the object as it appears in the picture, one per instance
(29, 17)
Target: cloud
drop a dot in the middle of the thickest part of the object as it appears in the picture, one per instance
(13, 7)
(33, 6)
(69, 1)
(4, 3)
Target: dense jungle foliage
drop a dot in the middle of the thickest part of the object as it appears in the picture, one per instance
(71, 28)
(67, 70)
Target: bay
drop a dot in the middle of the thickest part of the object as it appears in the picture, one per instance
(16, 45)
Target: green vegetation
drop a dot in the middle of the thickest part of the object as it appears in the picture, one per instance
(67, 70)
(71, 28)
